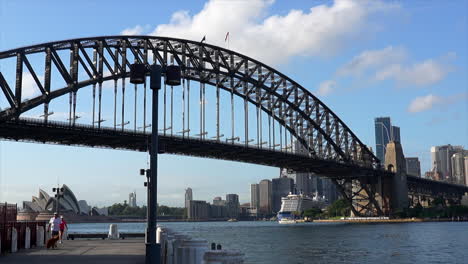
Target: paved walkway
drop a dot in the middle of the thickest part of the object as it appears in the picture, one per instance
(83, 251)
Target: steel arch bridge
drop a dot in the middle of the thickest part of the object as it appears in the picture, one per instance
(299, 130)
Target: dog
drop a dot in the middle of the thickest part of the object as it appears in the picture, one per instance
(52, 242)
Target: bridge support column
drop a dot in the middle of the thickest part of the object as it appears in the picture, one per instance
(397, 187)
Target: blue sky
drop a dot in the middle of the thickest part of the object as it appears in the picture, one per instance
(364, 59)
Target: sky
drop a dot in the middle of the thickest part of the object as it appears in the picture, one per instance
(363, 59)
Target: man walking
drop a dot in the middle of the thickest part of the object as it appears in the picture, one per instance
(54, 225)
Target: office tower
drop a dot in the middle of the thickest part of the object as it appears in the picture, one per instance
(395, 133)
(441, 160)
(232, 204)
(132, 199)
(458, 168)
(188, 196)
(198, 210)
(382, 136)
(413, 166)
(219, 201)
(281, 187)
(265, 197)
(466, 170)
(254, 196)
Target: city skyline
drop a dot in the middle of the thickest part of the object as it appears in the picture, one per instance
(350, 80)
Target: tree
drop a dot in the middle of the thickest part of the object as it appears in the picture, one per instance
(313, 212)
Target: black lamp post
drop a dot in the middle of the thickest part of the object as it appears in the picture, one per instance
(58, 195)
(138, 73)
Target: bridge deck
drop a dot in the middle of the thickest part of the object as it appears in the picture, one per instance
(82, 135)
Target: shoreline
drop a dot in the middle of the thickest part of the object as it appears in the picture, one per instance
(389, 221)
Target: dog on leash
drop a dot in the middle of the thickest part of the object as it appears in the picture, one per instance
(52, 242)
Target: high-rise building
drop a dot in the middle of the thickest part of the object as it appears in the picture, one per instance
(382, 136)
(413, 166)
(232, 204)
(384, 133)
(466, 170)
(396, 134)
(458, 168)
(132, 199)
(441, 160)
(265, 197)
(254, 196)
(219, 201)
(281, 187)
(198, 210)
(188, 196)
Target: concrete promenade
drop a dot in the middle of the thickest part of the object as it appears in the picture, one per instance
(83, 251)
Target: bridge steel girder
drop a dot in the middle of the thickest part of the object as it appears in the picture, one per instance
(321, 132)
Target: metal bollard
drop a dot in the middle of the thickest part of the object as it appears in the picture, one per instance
(113, 232)
(27, 238)
(39, 236)
(14, 240)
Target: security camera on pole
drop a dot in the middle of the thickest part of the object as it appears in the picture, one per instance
(138, 72)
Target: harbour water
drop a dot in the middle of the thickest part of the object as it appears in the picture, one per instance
(269, 242)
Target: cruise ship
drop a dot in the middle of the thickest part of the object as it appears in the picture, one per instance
(297, 203)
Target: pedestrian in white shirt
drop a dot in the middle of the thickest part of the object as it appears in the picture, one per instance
(54, 225)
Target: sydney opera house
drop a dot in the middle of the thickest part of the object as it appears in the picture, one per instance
(44, 205)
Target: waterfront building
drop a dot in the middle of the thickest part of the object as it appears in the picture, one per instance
(265, 197)
(232, 204)
(188, 196)
(441, 160)
(45, 202)
(458, 168)
(84, 207)
(413, 166)
(466, 169)
(218, 211)
(254, 196)
(132, 199)
(219, 201)
(281, 187)
(198, 210)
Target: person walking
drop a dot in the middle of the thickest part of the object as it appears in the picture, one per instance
(63, 226)
(54, 225)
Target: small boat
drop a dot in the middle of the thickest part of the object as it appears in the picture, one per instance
(287, 221)
(232, 220)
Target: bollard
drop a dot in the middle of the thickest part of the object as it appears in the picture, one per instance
(113, 232)
(39, 236)
(176, 244)
(191, 251)
(14, 240)
(223, 257)
(27, 238)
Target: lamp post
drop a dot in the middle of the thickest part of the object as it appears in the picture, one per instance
(59, 193)
(138, 73)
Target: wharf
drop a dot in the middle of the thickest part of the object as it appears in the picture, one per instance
(82, 251)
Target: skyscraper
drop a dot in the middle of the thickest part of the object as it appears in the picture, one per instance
(254, 196)
(265, 197)
(458, 168)
(281, 187)
(466, 170)
(132, 199)
(441, 160)
(188, 197)
(382, 136)
(413, 166)
(232, 204)
(395, 133)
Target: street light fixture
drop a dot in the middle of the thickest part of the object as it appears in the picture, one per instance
(138, 72)
(59, 194)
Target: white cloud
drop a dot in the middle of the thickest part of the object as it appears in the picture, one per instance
(424, 103)
(322, 30)
(391, 63)
(136, 30)
(29, 86)
(420, 74)
(372, 58)
(326, 88)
